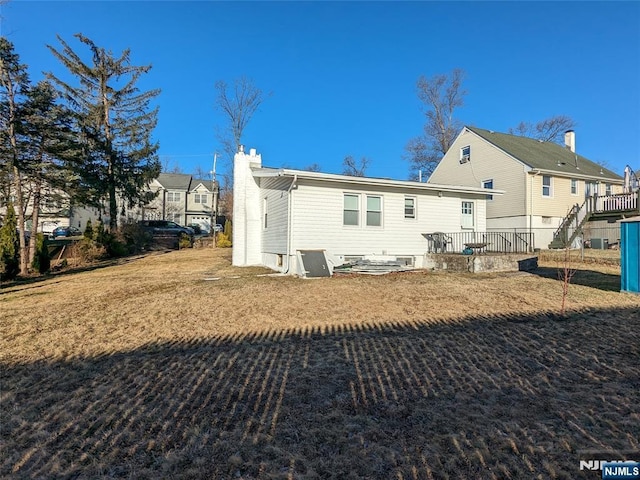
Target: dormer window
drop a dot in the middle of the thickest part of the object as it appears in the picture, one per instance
(465, 154)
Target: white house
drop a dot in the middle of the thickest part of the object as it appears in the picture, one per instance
(542, 181)
(279, 212)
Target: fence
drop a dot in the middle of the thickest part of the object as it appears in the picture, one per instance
(494, 242)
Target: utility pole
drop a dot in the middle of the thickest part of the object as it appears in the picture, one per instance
(214, 204)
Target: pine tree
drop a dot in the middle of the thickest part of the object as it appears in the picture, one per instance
(14, 83)
(9, 256)
(115, 122)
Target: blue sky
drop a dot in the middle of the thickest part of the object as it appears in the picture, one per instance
(342, 75)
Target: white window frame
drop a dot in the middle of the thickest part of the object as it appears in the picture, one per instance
(200, 198)
(549, 188)
(367, 211)
(467, 213)
(465, 154)
(608, 189)
(413, 215)
(173, 197)
(344, 209)
(574, 189)
(490, 183)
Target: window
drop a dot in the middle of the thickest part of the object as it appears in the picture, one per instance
(173, 196)
(574, 186)
(465, 154)
(590, 189)
(488, 184)
(409, 207)
(466, 219)
(607, 189)
(176, 217)
(374, 211)
(546, 185)
(265, 213)
(351, 209)
(200, 198)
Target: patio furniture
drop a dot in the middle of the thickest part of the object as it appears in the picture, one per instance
(438, 242)
(476, 247)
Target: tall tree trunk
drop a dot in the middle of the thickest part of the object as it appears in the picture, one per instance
(35, 217)
(24, 253)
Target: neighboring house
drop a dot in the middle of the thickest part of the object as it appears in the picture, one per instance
(182, 199)
(56, 210)
(279, 213)
(543, 181)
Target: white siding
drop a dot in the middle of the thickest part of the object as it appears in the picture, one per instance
(487, 162)
(274, 193)
(318, 219)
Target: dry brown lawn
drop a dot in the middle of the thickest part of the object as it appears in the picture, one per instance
(177, 365)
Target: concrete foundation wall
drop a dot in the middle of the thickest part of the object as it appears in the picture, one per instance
(480, 263)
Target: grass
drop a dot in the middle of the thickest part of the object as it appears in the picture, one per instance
(178, 365)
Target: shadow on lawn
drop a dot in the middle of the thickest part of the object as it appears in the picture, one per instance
(502, 397)
(588, 278)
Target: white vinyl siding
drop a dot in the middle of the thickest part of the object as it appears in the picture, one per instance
(318, 219)
(488, 162)
(374, 211)
(275, 199)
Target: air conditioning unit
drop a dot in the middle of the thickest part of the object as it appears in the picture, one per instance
(465, 159)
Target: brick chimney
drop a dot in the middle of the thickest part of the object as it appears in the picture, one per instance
(570, 140)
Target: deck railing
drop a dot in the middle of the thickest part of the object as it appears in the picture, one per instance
(622, 202)
(494, 242)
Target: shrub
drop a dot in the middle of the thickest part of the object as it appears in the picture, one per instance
(135, 238)
(223, 241)
(41, 260)
(89, 250)
(9, 251)
(88, 231)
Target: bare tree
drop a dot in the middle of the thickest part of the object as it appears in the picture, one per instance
(238, 104)
(353, 167)
(314, 167)
(550, 129)
(440, 95)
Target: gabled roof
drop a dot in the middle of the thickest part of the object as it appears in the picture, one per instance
(175, 181)
(546, 156)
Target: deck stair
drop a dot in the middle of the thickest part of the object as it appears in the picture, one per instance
(609, 207)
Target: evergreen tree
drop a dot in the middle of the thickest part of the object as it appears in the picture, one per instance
(14, 85)
(88, 231)
(41, 261)
(52, 146)
(9, 256)
(115, 123)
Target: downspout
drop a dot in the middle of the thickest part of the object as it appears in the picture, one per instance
(290, 215)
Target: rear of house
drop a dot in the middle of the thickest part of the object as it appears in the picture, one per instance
(280, 212)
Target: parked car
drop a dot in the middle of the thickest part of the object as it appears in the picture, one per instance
(166, 229)
(218, 228)
(66, 232)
